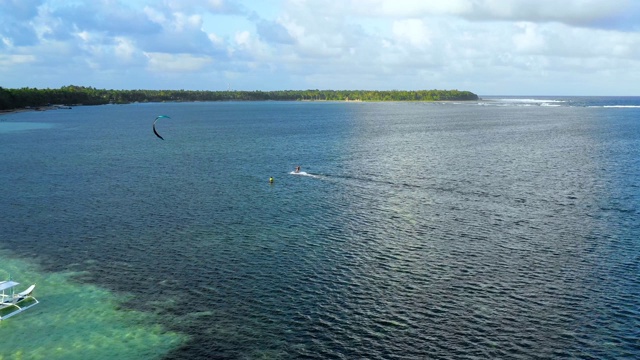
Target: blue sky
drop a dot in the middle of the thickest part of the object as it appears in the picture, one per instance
(490, 47)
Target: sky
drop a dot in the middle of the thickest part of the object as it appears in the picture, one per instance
(489, 47)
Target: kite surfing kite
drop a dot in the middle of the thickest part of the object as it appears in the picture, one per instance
(154, 125)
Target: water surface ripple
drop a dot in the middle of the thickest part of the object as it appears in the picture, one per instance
(426, 231)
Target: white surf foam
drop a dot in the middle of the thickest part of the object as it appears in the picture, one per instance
(302, 173)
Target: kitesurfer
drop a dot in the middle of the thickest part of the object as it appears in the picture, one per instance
(154, 125)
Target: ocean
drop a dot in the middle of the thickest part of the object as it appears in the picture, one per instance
(507, 227)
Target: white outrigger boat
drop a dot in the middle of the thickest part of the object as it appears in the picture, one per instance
(12, 303)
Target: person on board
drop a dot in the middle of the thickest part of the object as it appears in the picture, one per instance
(297, 169)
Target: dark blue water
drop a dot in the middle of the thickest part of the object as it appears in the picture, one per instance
(504, 228)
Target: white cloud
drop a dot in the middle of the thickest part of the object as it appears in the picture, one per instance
(587, 13)
(412, 31)
(243, 38)
(410, 8)
(575, 12)
(215, 40)
(155, 15)
(216, 6)
(11, 60)
(484, 45)
(124, 49)
(530, 40)
(185, 22)
(163, 62)
(274, 31)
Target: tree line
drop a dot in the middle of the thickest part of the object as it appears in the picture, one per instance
(81, 95)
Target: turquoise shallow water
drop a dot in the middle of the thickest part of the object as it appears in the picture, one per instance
(7, 127)
(505, 228)
(76, 321)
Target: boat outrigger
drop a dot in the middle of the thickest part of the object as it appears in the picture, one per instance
(12, 303)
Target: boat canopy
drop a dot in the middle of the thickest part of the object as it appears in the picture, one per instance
(13, 303)
(7, 284)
